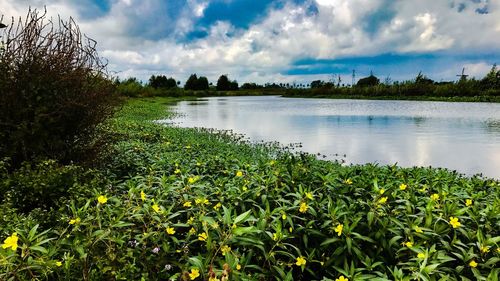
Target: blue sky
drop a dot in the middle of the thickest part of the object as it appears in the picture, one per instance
(286, 40)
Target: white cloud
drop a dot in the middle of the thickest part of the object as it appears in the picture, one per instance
(269, 46)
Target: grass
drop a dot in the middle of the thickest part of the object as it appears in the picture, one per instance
(195, 204)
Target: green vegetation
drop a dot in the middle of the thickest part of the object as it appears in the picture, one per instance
(486, 89)
(187, 204)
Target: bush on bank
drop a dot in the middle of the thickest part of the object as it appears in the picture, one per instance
(54, 92)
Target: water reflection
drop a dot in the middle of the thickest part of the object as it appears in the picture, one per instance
(459, 136)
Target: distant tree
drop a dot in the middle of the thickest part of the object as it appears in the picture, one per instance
(273, 86)
(250, 86)
(223, 84)
(492, 79)
(317, 84)
(371, 80)
(130, 87)
(233, 86)
(422, 79)
(202, 83)
(328, 85)
(195, 83)
(162, 82)
(191, 82)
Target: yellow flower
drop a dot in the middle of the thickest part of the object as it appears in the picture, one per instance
(300, 261)
(382, 200)
(143, 195)
(195, 273)
(177, 171)
(192, 231)
(290, 229)
(75, 221)
(275, 236)
(170, 230)
(217, 206)
(473, 264)
(190, 220)
(403, 186)
(409, 244)
(283, 216)
(435, 196)
(191, 180)
(309, 195)
(382, 191)
(418, 229)
(348, 181)
(187, 204)
(338, 229)
(58, 263)
(156, 208)
(421, 256)
(200, 201)
(244, 188)
(303, 207)
(203, 236)
(454, 222)
(238, 267)
(342, 278)
(468, 202)
(225, 249)
(102, 199)
(485, 249)
(11, 242)
(239, 174)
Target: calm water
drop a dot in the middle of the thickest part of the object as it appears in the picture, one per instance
(459, 136)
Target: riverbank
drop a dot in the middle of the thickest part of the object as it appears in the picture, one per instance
(493, 99)
(192, 204)
(308, 93)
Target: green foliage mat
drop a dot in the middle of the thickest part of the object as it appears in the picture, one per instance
(194, 204)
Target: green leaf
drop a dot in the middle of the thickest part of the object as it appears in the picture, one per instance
(39, 249)
(242, 217)
(238, 231)
(329, 241)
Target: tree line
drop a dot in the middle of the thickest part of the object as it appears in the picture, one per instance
(368, 86)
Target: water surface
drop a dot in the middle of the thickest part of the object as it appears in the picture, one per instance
(459, 136)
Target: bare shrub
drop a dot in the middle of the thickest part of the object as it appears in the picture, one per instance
(54, 91)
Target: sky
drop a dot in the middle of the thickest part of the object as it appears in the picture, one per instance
(286, 40)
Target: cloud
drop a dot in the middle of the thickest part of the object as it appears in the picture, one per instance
(261, 41)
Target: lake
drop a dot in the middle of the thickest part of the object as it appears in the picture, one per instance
(459, 136)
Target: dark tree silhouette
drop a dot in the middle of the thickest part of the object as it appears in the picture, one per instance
(162, 82)
(371, 80)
